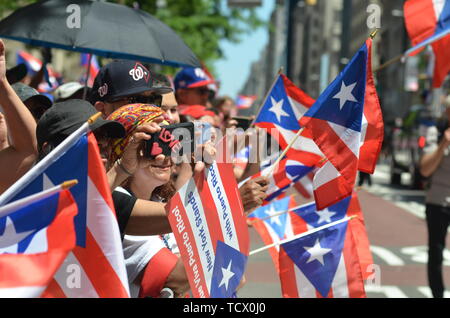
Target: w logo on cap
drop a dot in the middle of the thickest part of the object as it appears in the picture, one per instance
(139, 71)
(103, 90)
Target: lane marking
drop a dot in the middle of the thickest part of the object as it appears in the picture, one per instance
(387, 256)
(388, 291)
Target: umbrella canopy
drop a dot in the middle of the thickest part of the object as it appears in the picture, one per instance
(105, 29)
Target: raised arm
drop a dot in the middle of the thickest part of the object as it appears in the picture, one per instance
(430, 161)
(16, 159)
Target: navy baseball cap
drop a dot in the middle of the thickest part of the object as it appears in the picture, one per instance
(191, 77)
(122, 78)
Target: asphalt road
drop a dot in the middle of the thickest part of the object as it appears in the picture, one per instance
(394, 218)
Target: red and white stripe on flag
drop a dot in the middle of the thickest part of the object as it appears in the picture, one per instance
(26, 275)
(269, 236)
(97, 270)
(347, 281)
(203, 212)
(335, 180)
(358, 228)
(372, 130)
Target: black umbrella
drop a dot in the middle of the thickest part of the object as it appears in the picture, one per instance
(105, 29)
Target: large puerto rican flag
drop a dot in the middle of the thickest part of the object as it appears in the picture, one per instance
(307, 218)
(282, 220)
(322, 264)
(210, 228)
(280, 115)
(98, 256)
(428, 22)
(37, 233)
(336, 124)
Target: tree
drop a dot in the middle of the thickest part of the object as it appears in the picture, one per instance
(202, 24)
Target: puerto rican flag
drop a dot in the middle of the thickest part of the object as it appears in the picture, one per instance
(307, 217)
(290, 171)
(98, 256)
(338, 127)
(210, 228)
(245, 102)
(428, 22)
(273, 224)
(93, 71)
(322, 264)
(280, 115)
(37, 233)
(282, 219)
(33, 64)
(304, 186)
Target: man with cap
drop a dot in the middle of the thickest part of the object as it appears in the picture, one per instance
(63, 118)
(36, 102)
(123, 82)
(191, 86)
(20, 154)
(70, 90)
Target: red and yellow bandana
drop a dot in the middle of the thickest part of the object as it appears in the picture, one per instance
(131, 116)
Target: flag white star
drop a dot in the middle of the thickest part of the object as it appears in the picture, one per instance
(277, 108)
(10, 238)
(317, 252)
(274, 219)
(345, 94)
(325, 216)
(227, 274)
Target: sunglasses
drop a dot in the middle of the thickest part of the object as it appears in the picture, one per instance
(139, 99)
(202, 91)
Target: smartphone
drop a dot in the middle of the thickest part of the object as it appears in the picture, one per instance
(243, 122)
(171, 140)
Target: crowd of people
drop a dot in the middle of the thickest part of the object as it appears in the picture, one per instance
(134, 102)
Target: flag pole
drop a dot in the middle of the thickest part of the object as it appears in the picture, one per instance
(88, 72)
(272, 167)
(13, 206)
(407, 53)
(93, 118)
(315, 230)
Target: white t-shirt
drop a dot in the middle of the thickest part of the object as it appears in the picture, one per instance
(139, 250)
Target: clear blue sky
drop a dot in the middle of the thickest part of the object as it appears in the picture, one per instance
(234, 68)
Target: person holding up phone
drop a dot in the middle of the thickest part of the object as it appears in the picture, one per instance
(151, 265)
(152, 261)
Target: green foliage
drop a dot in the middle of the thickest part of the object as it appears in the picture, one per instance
(7, 6)
(202, 24)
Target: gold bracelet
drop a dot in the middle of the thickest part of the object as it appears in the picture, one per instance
(119, 163)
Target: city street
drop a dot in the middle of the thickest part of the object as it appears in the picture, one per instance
(397, 232)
